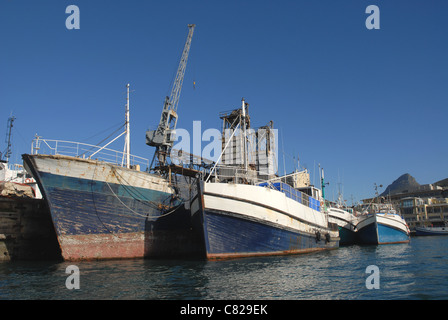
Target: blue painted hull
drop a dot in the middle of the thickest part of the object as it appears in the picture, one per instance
(239, 220)
(227, 235)
(102, 220)
(81, 206)
(368, 234)
(380, 233)
(388, 234)
(347, 237)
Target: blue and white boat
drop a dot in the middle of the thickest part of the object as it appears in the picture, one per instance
(244, 210)
(382, 225)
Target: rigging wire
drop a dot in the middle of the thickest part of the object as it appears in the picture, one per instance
(113, 133)
(103, 131)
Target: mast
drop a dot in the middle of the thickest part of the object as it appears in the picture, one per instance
(323, 184)
(243, 108)
(128, 131)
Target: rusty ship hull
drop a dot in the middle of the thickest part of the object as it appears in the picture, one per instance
(105, 211)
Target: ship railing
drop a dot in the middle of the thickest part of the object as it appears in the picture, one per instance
(293, 193)
(86, 151)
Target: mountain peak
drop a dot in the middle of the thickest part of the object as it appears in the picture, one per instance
(404, 183)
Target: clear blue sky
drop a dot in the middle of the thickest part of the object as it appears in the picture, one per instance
(368, 105)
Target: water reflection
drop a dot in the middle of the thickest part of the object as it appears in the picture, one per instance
(407, 271)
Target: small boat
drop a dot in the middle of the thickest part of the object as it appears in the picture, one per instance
(346, 221)
(243, 212)
(431, 231)
(15, 181)
(382, 225)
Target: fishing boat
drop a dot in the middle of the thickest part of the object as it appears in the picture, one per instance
(346, 221)
(105, 204)
(99, 209)
(431, 231)
(244, 209)
(380, 224)
(102, 210)
(108, 204)
(343, 216)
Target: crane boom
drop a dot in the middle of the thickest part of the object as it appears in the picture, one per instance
(163, 137)
(177, 85)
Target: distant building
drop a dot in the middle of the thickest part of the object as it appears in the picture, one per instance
(427, 211)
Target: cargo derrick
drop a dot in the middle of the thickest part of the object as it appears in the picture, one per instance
(164, 136)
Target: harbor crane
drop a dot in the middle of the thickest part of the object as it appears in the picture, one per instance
(164, 136)
(7, 153)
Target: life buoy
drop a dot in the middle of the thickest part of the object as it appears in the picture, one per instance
(28, 180)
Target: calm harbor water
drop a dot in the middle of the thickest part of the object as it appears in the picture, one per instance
(417, 270)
